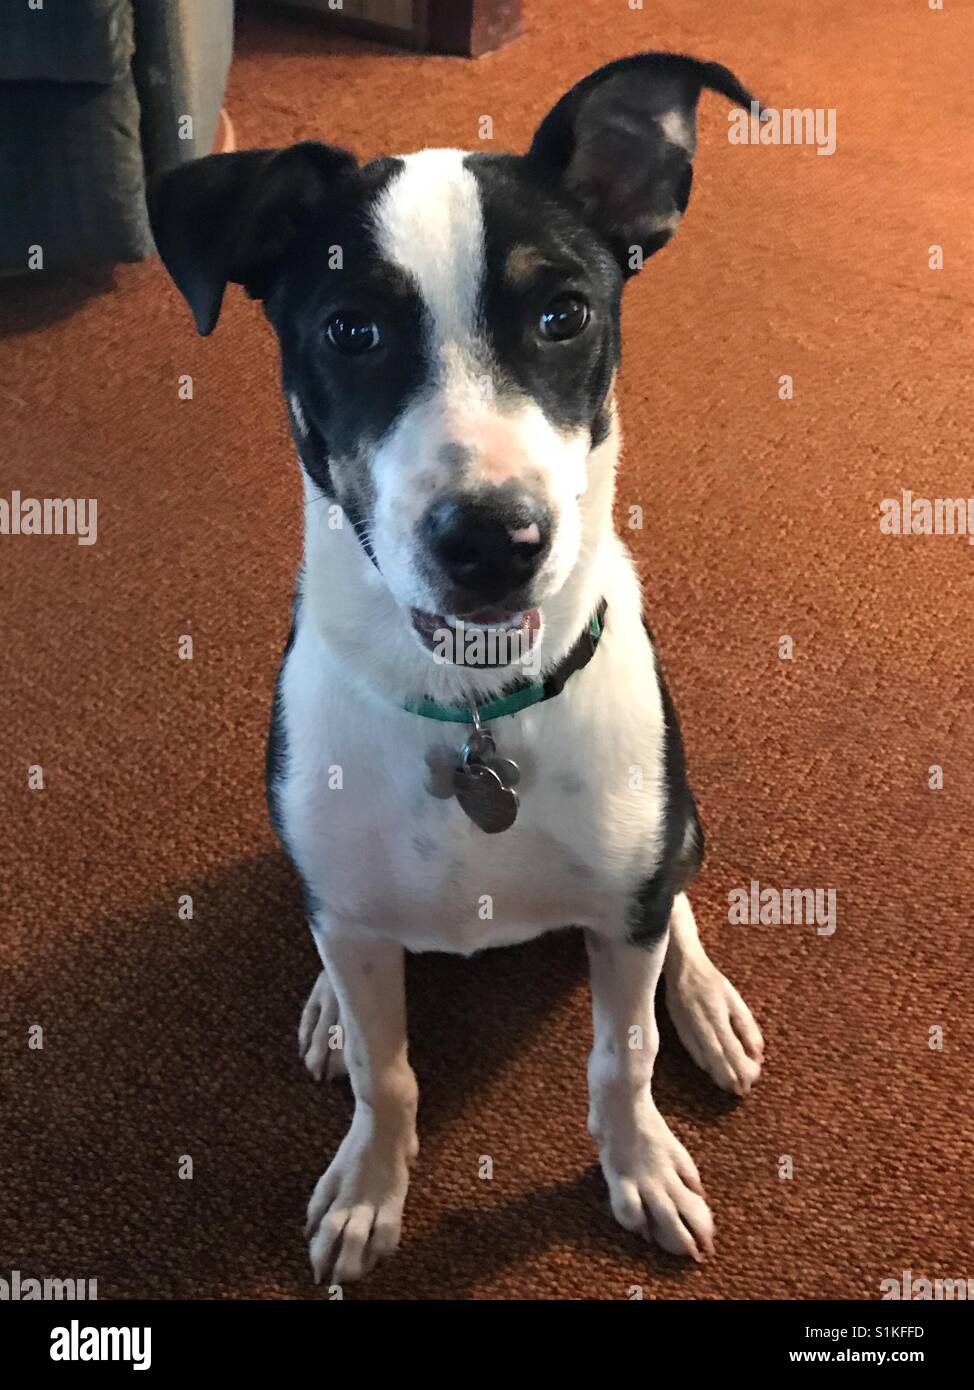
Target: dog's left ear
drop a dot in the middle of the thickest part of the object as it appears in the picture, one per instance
(621, 142)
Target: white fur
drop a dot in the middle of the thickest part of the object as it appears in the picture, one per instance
(677, 126)
(654, 1187)
(550, 870)
(391, 867)
(429, 223)
(394, 867)
(298, 413)
(713, 1022)
(321, 1041)
(355, 1212)
(366, 628)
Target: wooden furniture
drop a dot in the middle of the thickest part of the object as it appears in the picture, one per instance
(465, 27)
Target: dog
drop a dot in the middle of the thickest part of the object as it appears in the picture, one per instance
(471, 739)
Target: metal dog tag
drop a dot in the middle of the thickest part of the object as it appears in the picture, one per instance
(479, 747)
(484, 783)
(506, 769)
(484, 798)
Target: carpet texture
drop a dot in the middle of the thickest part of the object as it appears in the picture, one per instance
(164, 1037)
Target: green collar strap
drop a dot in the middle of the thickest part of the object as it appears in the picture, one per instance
(524, 693)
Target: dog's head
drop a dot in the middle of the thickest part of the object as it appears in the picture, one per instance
(449, 324)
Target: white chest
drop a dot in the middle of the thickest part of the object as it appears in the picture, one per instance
(379, 848)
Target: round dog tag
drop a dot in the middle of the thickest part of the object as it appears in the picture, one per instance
(484, 798)
(506, 769)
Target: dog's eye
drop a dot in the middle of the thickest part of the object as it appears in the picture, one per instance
(353, 333)
(564, 317)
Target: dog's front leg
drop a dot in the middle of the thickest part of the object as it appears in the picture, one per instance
(653, 1182)
(355, 1212)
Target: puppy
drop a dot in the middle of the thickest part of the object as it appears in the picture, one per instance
(471, 740)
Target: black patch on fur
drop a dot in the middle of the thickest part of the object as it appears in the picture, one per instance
(312, 451)
(277, 741)
(604, 144)
(275, 760)
(649, 912)
(601, 425)
(348, 403)
(569, 380)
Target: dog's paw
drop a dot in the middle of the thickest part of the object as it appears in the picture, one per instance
(320, 1040)
(715, 1026)
(355, 1212)
(655, 1189)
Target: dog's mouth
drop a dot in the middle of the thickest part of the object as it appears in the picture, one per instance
(487, 637)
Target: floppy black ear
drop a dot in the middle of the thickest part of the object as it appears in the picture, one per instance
(622, 140)
(231, 216)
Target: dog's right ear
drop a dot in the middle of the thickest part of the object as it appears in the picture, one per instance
(230, 217)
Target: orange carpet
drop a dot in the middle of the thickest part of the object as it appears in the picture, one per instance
(165, 1037)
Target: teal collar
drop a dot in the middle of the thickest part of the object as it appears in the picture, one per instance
(524, 693)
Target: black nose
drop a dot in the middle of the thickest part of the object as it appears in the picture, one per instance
(491, 546)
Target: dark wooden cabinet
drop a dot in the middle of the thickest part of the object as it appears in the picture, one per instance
(465, 27)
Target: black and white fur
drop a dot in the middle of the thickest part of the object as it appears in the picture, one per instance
(471, 460)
